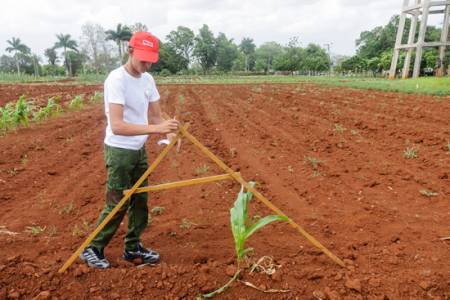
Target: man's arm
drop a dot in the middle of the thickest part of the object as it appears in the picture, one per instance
(155, 113)
(155, 117)
(120, 127)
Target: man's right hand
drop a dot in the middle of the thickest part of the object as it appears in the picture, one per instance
(167, 126)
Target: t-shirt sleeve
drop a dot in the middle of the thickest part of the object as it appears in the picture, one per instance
(154, 94)
(114, 92)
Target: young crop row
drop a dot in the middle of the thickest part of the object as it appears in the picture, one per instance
(13, 115)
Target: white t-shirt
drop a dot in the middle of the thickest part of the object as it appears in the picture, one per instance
(134, 94)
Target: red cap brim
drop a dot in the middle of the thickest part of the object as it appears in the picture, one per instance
(145, 55)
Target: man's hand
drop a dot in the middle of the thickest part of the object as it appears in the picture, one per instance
(171, 136)
(167, 126)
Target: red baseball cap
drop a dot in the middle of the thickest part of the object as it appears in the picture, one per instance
(145, 45)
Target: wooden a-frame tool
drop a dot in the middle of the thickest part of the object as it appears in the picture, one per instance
(230, 174)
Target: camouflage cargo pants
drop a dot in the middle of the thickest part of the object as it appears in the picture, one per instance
(124, 167)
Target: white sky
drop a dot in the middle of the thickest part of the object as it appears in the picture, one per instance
(36, 22)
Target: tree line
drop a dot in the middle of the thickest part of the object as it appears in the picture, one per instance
(184, 52)
(181, 52)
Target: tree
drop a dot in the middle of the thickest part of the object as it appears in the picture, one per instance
(205, 48)
(291, 58)
(227, 52)
(266, 54)
(7, 64)
(65, 41)
(355, 63)
(16, 46)
(138, 27)
(248, 48)
(51, 55)
(95, 46)
(76, 60)
(120, 35)
(182, 41)
(169, 60)
(315, 58)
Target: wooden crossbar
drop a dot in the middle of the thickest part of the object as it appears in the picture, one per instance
(182, 183)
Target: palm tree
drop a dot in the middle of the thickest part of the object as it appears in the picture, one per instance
(122, 33)
(65, 41)
(17, 46)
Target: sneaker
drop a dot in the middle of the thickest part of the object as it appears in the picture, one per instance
(146, 255)
(94, 258)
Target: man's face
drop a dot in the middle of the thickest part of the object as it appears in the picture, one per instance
(140, 66)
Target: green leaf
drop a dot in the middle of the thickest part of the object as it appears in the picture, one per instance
(263, 222)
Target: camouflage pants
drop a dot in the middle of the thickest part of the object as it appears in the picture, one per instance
(124, 167)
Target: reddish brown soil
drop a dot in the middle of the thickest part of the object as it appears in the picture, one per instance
(363, 200)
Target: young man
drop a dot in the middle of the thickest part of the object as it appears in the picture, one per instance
(133, 112)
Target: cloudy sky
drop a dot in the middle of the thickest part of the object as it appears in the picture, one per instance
(338, 22)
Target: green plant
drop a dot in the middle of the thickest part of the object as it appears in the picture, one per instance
(77, 231)
(97, 97)
(181, 99)
(158, 210)
(428, 193)
(242, 229)
(203, 169)
(76, 103)
(22, 111)
(67, 209)
(6, 117)
(354, 132)
(35, 230)
(339, 128)
(52, 109)
(410, 153)
(448, 147)
(186, 224)
(313, 161)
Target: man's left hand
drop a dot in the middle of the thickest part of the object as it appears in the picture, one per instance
(171, 136)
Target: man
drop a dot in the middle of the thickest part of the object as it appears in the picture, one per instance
(133, 112)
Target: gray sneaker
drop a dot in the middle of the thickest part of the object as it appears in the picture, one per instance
(94, 258)
(146, 255)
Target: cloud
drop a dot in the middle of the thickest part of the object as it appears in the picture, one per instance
(318, 21)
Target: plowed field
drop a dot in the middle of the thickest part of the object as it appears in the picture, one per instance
(333, 159)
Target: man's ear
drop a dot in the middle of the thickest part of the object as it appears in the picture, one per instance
(130, 50)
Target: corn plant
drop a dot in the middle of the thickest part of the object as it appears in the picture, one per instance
(52, 109)
(313, 161)
(339, 128)
(76, 103)
(203, 169)
(410, 153)
(22, 111)
(242, 228)
(6, 117)
(97, 97)
(35, 230)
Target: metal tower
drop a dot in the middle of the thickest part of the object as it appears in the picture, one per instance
(422, 9)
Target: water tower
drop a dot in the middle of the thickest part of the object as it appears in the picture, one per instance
(419, 10)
